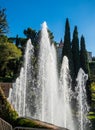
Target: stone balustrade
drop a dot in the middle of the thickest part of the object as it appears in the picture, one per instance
(4, 125)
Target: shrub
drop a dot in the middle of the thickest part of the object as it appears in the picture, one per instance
(6, 110)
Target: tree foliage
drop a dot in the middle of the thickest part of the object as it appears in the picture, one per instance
(9, 53)
(6, 110)
(51, 36)
(67, 42)
(30, 33)
(33, 35)
(17, 41)
(92, 70)
(75, 51)
(85, 66)
(67, 48)
(83, 56)
(3, 22)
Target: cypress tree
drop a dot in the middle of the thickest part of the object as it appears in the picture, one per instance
(75, 52)
(83, 56)
(85, 66)
(17, 41)
(66, 51)
(67, 43)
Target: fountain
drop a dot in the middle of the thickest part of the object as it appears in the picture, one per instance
(47, 79)
(51, 97)
(21, 93)
(66, 95)
(81, 96)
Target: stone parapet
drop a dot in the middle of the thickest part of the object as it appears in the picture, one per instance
(4, 125)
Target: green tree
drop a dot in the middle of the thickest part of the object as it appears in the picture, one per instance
(33, 35)
(83, 56)
(67, 48)
(85, 66)
(67, 43)
(51, 36)
(17, 41)
(8, 52)
(3, 39)
(75, 51)
(30, 33)
(3, 22)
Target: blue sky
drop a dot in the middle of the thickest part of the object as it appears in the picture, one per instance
(22, 14)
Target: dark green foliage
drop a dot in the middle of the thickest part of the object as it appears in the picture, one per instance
(33, 35)
(83, 56)
(3, 22)
(17, 41)
(27, 122)
(75, 51)
(30, 34)
(67, 43)
(85, 66)
(88, 92)
(91, 116)
(9, 55)
(24, 122)
(93, 96)
(51, 36)
(22, 44)
(92, 71)
(93, 58)
(92, 110)
(93, 123)
(6, 110)
(67, 48)
(3, 39)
